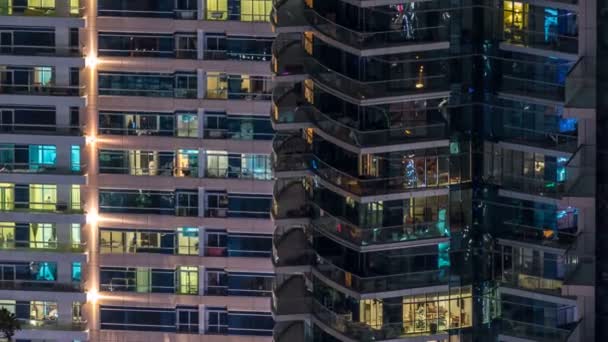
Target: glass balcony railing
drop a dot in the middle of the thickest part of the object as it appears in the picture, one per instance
(530, 331)
(290, 200)
(376, 89)
(291, 248)
(287, 14)
(42, 246)
(287, 107)
(40, 168)
(383, 137)
(293, 331)
(361, 186)
(555, 238)
(288, 57)
(542, 40)
(37, 285)
(543, 139)
(359, 331)
(41, 89)
(362, 237)
(27, 324)
(379, 283)
(291, 297)
(533, 88)
(289, 153)
(19, 128)
(581, 85)
(42, 207)
(378, 39)
(40, 50)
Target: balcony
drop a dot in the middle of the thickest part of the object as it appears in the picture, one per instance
(377, 238)
(41, 207)
(542, 139)
(29, 129)
(374, 138)
(290, 332)
(581, 85)
(288, 109)
(291, 249)
(533, 332)
(40, 89)
(35, 285)
(288, 57)
(290, 200)
(542, 40)
(381, 40)
(286, 16)
(289, 157)
(39, 8)
(53, 325)
(344, 325)
(553, 238)
(46, 169)
(42, 247)
(355, 91)
(379, 283)
(40, 50)
(291, 300)
(435, 178)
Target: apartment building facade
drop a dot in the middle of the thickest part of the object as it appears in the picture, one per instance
(435, 166)
(136, 179)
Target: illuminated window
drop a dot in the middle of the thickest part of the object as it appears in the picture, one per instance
(76, 272)
(43, 196)
(433, 312)
(188, 279)
(515, 20)
(43, 76)
(75, 236)
(187, 241)
(74, 7)
(217, 10)
(43, 311)
(43, 235)
(7, 196)
(75, 203)
(255, 10)
(7, 234)
(370, 311)
(217, 85)
(41, 4)
(75, 158)
(42, 156)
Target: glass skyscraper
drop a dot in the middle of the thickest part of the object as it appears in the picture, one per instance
(435, 166)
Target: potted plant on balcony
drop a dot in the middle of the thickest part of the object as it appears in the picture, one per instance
(9, 324)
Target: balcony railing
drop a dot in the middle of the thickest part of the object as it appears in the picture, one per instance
(187, 14)
(191, 172)
(544, 139)
(32, 168)
(377, 39)
(41, 207)
(581, 84)
(42, 246)
(395, 135)
(533, 88)
(542, 40)
(532, 331)
(36, 285)
(288, 57)
(287, 14)
(290, 200)
(28, 324)
(40, 89)
(555, 238)
(353, 234)
(380, 283)
(359, 331)
(40, 50)
(19, 128)
(366, 90)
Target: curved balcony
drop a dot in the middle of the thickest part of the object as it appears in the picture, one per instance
(359, 331)
(379, 283)
(369, 239)
(286, 16)
(374, 138)
(287, 109)
(291, 300)
(289, 157)
(288, 58)
(532, 332)
(290, 202)
(538, 40)
(544, 139)
(359, 186)
(291, 251)
(373, 92)
(542, 236)
(398, 39)
(289, 332)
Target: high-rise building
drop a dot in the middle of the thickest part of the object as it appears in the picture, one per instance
(135, 173)
(435, 165)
